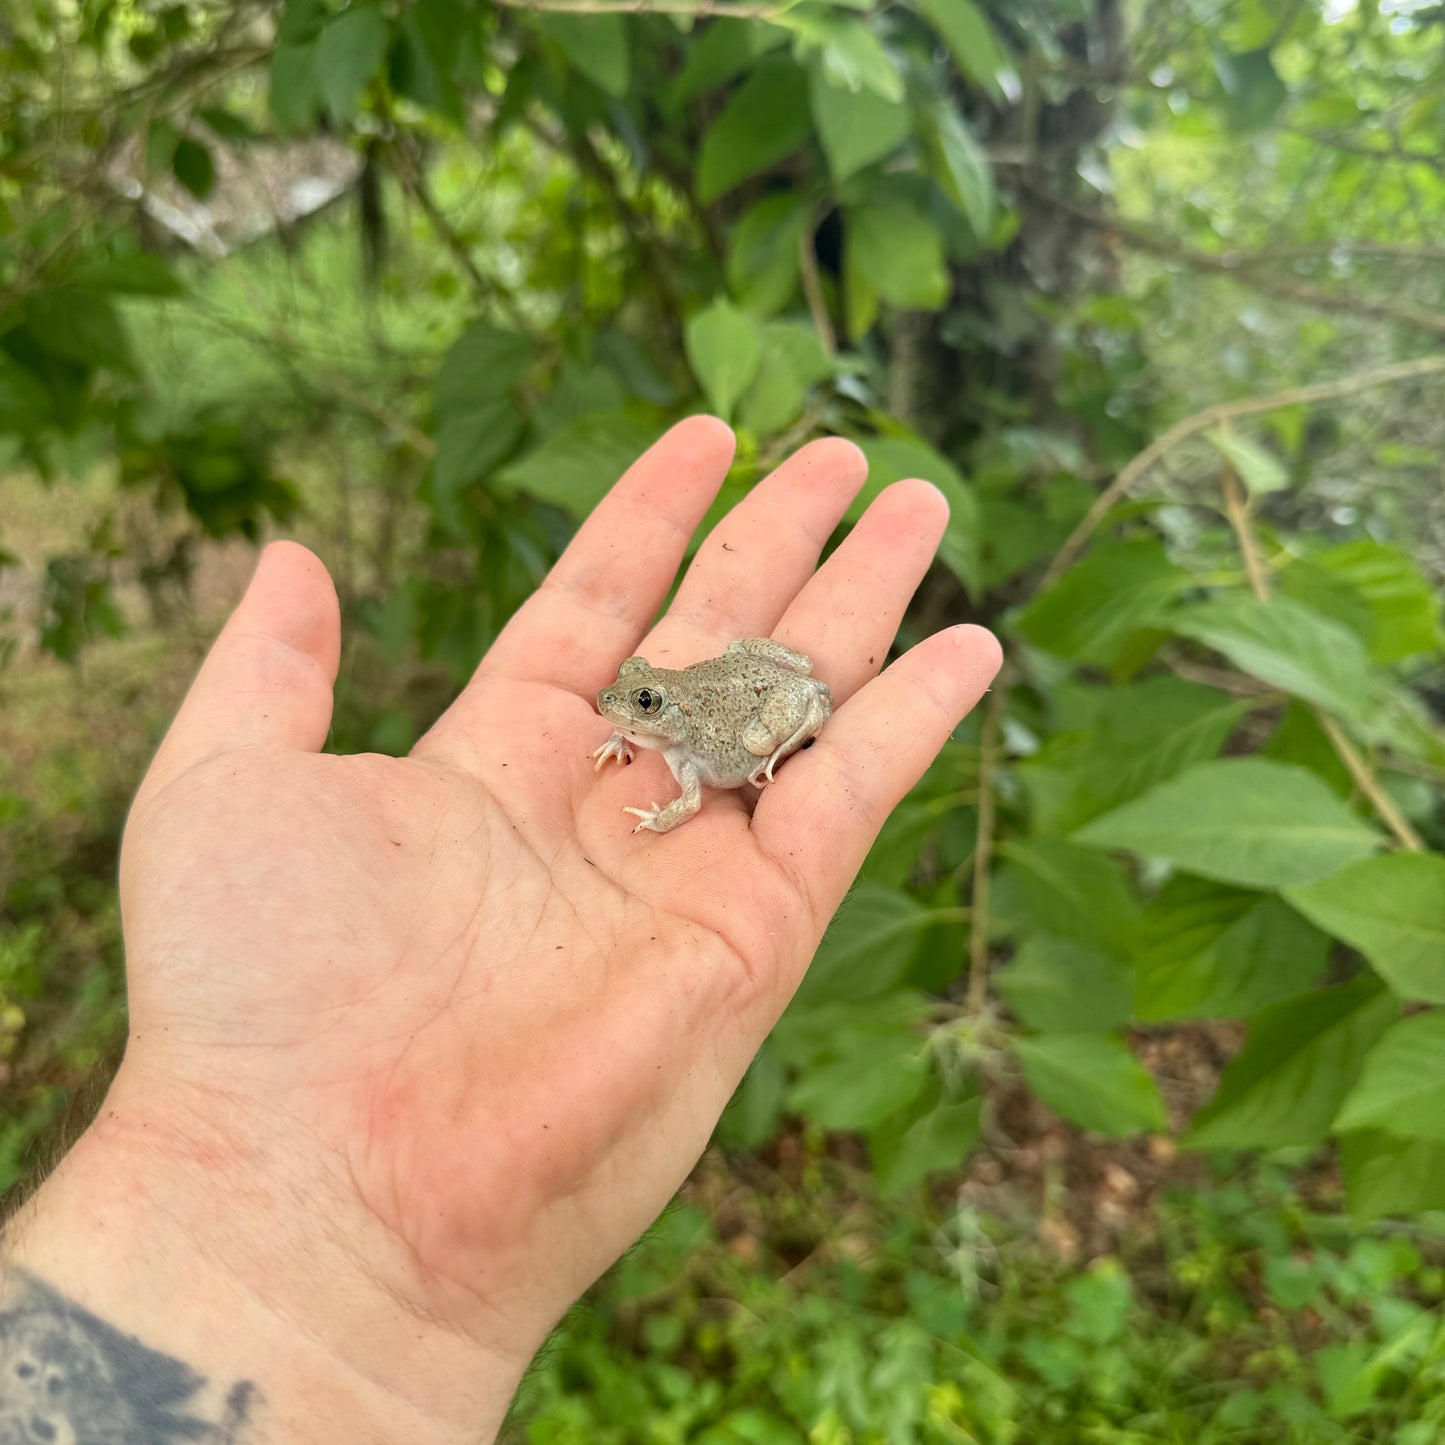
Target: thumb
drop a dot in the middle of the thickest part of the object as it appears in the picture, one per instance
(269, 675)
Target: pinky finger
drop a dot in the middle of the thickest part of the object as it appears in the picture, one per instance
(821, 816)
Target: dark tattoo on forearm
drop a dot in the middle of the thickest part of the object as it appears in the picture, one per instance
(68, 1378)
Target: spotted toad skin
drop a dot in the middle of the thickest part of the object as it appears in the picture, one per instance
(719, 724)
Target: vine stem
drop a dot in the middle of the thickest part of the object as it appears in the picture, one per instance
(988, 755)
(1219, 413)
(1239, 510)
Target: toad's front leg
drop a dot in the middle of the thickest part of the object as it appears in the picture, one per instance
(677, 812)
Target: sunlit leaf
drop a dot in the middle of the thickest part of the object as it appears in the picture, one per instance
(1093, 1080)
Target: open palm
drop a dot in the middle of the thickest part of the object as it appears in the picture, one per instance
(452, 1001)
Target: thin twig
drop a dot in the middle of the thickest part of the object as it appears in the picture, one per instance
(988, 759)
(1215, 415)
(1369, 784)
(1237, 509)
(813, 290)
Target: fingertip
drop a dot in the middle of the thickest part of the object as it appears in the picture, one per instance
(704, 436)
(981, 649)
(292, 598)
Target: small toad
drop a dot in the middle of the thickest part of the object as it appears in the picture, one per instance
(724, 722)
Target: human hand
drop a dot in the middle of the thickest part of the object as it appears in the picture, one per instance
(419, 1046)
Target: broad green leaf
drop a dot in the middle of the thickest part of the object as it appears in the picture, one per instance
(845, 51)
(869, 946)
(1091, 613)
(868, 1074)
(1048, 885)
(470, 443)
(1210, 951)
(1240, 820)
(1288, 646)
(958, 164)
(1056, 985)
(1093, 1080)
(861, 302)
(81, 325)
(766, 119)
(940, 1141)
(596, 45)
(1135, 735)
(1385, 1174)
(891, 459)
(793, 360)
(348, 54)
(724, 351)
(193, 167)
(764, 252)
(1301, 1059)
(1302, 741)
(972, 44)
(1392, 909)
(855, 127)
(1405, 608)
(137, 274)
(1402, 1088)
(1252, 90)
(577, 392)
(900, 252)
(574, 468)
(483, 363)
(725, 48)
(294, 88)
(1258, 469)
(752, 1115)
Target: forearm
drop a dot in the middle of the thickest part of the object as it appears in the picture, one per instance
(129, 1295)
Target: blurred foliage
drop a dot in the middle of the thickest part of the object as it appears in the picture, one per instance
(1153, 291)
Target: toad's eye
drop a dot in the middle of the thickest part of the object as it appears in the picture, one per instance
(646, 700)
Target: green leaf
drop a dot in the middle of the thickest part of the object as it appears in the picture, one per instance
(1056, 985)
(1301, 1059)
(1209, 951)
(891, 459)
(81, 325)
(724, 350)
(483, 363)
(348, 54)
(193, 167)
(1288, 646)
(595, 45)
(751, 1118)
(793, 360)
(900, 253)
(1258, 469)
(575, 467)
(869, 946)
(847, 53)
(1402, 1088)
(867, 1074)
(1093, 1080)
(764, 252)
(940, 1141)
(470, 443)
(136, 274)
(1405, 608)
(1239, 820)
(1252, 90)
(1098, 606)
(957, 162)
(855, 127)
(726, 48)
(1136, 735)
(765, 120)
(1392, 909)
(294, 87)
(1048, 885)
(1385, 1174)
(972, 44)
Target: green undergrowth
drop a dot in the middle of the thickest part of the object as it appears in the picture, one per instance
(1234, 1314)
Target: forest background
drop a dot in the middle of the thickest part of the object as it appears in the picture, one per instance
(1113, 1109)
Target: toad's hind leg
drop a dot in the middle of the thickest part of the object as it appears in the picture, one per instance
(772, 651)
(762, 736)
(677, 812)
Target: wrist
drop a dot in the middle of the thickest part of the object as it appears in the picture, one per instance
(240, 1278)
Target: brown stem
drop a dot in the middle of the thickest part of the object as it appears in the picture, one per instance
(988, 759)
(1215, 415)
(1369, 785)
(813, 290)
(1238, 510)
